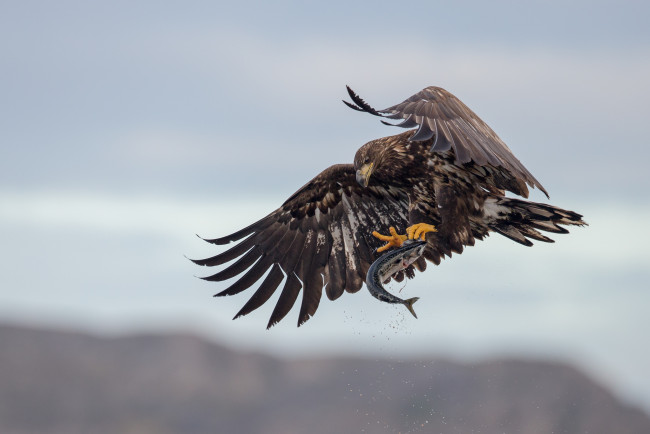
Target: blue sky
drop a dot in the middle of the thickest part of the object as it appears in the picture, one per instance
(127, 127)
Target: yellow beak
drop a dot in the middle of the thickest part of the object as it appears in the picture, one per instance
(363, 174)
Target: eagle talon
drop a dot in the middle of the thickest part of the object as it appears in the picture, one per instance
(419, 230)
(393, 240)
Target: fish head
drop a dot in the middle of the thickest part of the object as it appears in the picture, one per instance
(413, 253)
(397, 260)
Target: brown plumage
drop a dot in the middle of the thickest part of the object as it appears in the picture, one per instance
(451, 172)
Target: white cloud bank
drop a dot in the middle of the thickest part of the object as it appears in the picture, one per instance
(115, 263)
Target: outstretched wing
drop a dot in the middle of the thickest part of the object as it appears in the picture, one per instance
(321, 237)
(440, 115)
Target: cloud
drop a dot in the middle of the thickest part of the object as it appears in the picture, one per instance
(115, 262)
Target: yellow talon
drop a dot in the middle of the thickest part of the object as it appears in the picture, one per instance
(419, 230)
(393, 240)
(414, 232)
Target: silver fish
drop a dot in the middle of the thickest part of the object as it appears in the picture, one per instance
(390, 263)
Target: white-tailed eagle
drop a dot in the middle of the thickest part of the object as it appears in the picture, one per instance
(443, 181)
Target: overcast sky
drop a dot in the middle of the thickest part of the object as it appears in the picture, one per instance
(127, 127)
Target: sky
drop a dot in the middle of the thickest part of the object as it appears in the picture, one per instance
(128, 127)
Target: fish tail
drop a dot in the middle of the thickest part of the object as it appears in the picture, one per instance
(409, 305)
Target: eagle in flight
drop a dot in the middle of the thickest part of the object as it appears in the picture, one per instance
(444, 181)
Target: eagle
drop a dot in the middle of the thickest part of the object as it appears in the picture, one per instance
(444, 180)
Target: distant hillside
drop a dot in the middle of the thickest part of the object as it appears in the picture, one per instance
(56, 382)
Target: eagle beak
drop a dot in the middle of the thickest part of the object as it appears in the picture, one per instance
(363, 174)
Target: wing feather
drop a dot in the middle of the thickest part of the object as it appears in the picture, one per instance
(229, 254)
(286, 301)
(261, 224)
(437, 112)
(319, 238)
(336, 269)
(313, 281)
(240, 265)
(352, 278)
(249, 278)
(264, 292)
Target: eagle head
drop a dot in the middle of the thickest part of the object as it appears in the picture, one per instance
(383, 158)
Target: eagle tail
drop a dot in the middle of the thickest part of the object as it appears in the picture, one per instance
(521, 220)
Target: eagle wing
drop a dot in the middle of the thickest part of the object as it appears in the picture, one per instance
(440, 116)
(319, 238)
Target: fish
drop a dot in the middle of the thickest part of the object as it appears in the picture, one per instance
(387, 265)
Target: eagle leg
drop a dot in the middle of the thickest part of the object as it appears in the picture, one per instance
(393, 240)
(419, 230)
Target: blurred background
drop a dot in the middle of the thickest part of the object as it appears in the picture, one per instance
(128, 127)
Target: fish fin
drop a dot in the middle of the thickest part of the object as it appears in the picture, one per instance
(409, 305)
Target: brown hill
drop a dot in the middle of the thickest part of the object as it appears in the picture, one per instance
(59, 382)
